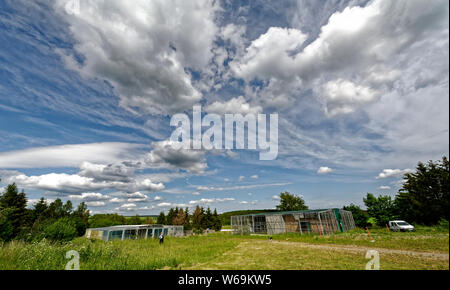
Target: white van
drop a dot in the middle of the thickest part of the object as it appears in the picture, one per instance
(400, 226)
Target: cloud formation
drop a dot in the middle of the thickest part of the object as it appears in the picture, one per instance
(143, 49)
(164, 155)
(74, 183)
(386, 173)
(233, 106)
(69, 155)
(211, 200)
(324, 170)
(363, 39)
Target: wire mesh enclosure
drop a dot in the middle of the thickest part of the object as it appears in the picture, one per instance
(134, 232)
(324, 222)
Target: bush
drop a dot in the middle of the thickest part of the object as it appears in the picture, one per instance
(79, 225)
(62, 230)
(6, 227)
(359, 216)
(106, 220)
(443, 224)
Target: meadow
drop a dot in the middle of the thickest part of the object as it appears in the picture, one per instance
(427, 248)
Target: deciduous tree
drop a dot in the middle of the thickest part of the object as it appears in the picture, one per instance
(289, 202)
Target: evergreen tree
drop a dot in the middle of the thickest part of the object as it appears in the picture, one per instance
(208, 219)
(56, 209)
(217, 222)
(40, 211)
(6, 227)
(187, 220)
(197, 220)
(82, 212)
(161, 219)
(67, 209)
(171, 215)
(13, 205)
(424, 197)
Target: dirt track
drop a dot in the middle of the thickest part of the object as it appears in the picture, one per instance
(439, 256)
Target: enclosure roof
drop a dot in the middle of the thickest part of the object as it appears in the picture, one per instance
(289, 212)
(125, 227)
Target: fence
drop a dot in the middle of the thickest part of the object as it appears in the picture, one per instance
(303, 222)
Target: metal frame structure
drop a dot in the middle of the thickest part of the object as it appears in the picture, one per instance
(321, 221)
(133, 232)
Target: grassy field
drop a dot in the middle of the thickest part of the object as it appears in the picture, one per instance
(425, 239)
(262, 255)
(427, 248)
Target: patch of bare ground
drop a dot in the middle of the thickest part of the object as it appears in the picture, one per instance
(440, 256)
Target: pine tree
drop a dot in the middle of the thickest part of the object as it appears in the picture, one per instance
(67, 208)
(197, 220)
(13, 207)
(208, 220)
(161, 219)
(40, 211)
(171, 215)
(82, 212)
(425, 195)
(56, 209)
(217, 222)
(187, 220)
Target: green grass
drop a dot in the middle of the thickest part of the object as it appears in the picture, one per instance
(225, 251)
(263, 255)
(424, 239)
(116, 255)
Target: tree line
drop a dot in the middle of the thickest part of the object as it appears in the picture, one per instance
(56, 221)
(423, 199)
(200, 220)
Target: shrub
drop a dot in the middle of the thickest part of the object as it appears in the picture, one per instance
(6, 227)
(359, 216)
(443, 224)
(62, 230)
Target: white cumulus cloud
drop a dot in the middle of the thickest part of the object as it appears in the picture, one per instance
(325, 170)
(143, 47)
(69, 155)
(386, 173)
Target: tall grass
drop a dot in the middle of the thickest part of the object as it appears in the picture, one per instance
(426, 239)
(181, 253)
(116, 255)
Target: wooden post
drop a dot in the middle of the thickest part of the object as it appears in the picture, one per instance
(367, 229)
(320, 221)
(387, 228)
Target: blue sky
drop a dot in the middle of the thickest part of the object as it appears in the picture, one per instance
(86, 97)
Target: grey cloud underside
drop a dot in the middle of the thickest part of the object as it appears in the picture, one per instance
(121, 175)
(365, 40)
(376, 80)
(354, 54)
(143, 48)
